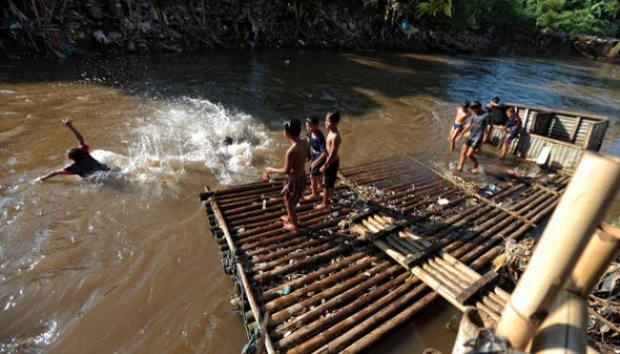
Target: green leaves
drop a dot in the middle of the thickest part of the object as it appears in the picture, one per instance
(432, 8)
(577, 17)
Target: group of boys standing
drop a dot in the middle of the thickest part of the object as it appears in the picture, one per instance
(324, 162)
(323, 152)
(480, 123)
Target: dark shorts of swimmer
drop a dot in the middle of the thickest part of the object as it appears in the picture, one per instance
(316, 170)
(474, 144)
(331, 173)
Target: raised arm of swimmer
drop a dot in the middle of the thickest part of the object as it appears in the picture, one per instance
(69, 124)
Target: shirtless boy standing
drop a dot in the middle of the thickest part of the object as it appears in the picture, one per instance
(294, 169)
(330, 169)
(457, 128)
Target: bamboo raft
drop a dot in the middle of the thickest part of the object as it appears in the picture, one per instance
(399, 236)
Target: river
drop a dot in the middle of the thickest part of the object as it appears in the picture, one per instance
(123, 262)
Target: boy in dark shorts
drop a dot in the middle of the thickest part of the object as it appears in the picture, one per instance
(294, 169)
(478, 122)
(83, 164)
(512, 130)
(497, 116)
(330, 169)
(318, 152)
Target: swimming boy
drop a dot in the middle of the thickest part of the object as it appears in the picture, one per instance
(512, 127)
(294, 162)
(330, 168)
(83, 164)
(457, 128)
(476, 126)
(319, 154)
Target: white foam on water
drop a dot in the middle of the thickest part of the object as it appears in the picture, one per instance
(189, 133)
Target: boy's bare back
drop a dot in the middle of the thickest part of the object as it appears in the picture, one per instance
(296, 157)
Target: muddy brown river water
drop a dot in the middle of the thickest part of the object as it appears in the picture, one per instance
(123, 262)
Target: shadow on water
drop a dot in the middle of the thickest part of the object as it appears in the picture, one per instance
(272, 85)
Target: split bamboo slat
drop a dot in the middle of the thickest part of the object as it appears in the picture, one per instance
(326, 290)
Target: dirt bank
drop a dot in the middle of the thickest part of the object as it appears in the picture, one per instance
(73, 28)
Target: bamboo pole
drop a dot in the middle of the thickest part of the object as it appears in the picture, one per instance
(342, 298)
(419, 187)
(222, 224)
(283, 251)
(316, 275)
(576, 216)
(404, 288)
(316, 258)
(278, 234)
(364, 341)
(296, 296)
(600, 251)
(264, 266)
(316, 327)
(275, 247)
(279, 318)
(254, 305)
(564, 330)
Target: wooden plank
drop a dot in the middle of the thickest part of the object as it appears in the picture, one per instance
(488, 279)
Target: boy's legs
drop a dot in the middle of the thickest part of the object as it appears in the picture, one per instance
(292, 216)
(502, 153)
(472, 155)
(462, 157)
(315, 182)
(329, 181)
(327, 194)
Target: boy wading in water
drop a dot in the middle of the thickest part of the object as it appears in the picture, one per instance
(294, 169)
(83, 164)
(319, 154)
(459, 120)
(330, 169)
(476, 126)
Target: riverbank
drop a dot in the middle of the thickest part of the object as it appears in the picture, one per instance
(117, 28)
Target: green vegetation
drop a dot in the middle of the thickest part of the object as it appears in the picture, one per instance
(433, 7)
(598, 17)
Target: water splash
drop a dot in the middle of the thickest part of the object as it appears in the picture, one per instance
(34, 342)
(189, 134)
